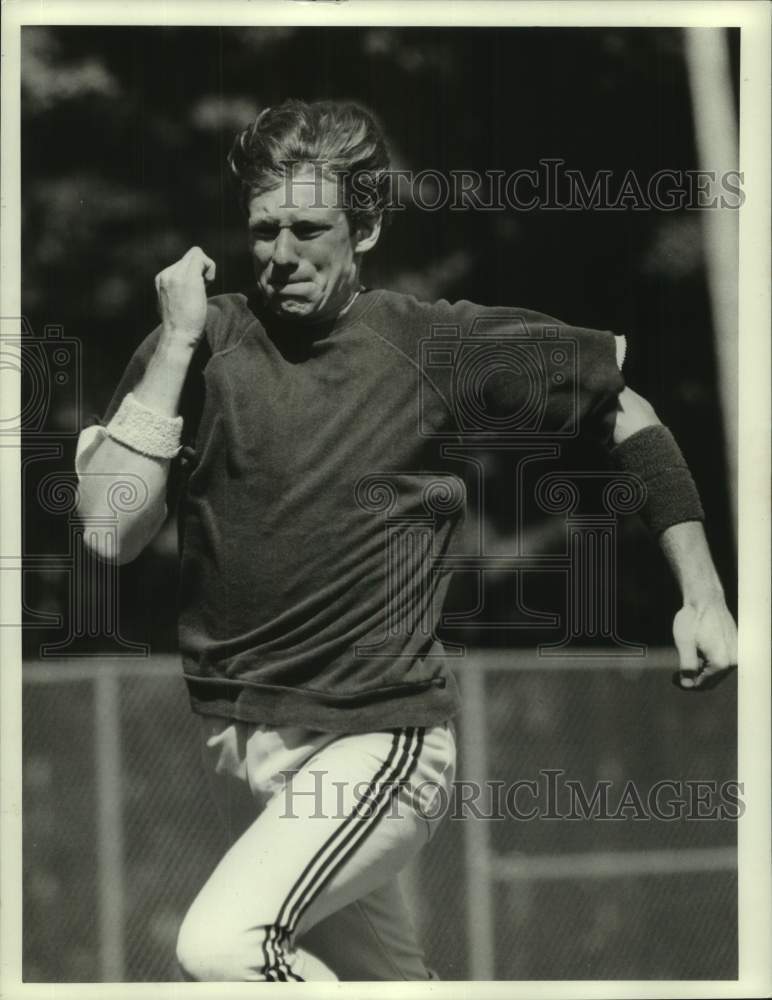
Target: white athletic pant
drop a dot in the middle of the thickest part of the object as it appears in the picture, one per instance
(320, 826)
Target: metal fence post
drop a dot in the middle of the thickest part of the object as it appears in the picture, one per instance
(110, 861)
(479, 899)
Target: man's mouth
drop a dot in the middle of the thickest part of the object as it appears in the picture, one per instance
(290, 287)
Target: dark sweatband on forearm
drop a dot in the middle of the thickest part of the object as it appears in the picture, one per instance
(653, 455)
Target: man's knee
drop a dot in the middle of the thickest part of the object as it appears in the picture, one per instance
(208, 950)
(205, 954)
(193, 951)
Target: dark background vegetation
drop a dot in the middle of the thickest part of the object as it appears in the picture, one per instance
(124, 138)
(125, 134)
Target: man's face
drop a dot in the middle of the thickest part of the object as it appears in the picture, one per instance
(305, 256)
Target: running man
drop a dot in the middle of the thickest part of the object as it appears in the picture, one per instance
(293, 418)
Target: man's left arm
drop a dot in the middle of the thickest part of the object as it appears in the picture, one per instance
(703, 629)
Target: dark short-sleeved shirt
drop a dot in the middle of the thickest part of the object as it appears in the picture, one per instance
(317, 503)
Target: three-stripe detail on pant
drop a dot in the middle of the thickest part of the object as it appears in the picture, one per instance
(400, 763)
(276, 966)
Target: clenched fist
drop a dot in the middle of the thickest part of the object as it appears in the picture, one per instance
(181, 290)
(706, 640)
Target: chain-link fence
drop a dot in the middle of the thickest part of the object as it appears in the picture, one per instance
(591, 833)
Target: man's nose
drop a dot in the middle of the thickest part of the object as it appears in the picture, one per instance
(284, 250)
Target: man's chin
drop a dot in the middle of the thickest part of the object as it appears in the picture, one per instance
(294, 306)
(297, 307)
(290, 306)
(284, 303)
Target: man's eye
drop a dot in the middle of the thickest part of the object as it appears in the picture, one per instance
(263, 233)
(308, 232)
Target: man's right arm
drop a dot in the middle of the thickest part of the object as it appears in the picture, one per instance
(182, 301)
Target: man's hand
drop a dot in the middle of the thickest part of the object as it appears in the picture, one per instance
(704, 631)
(706, 640)
(181, 292)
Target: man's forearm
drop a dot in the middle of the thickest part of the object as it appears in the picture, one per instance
(703, 629)
(182, 301)
(112, 463)
(684, 543)
(161, 385)
(686, 550)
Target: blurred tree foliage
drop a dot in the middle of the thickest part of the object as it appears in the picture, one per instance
(124, 137)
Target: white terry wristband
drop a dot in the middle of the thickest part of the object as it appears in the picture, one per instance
(145, 431)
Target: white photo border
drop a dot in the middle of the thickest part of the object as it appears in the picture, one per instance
(754, 756)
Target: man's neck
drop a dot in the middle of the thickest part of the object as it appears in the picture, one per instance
(350, 303)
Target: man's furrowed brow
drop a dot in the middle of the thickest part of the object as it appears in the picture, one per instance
(298, 217)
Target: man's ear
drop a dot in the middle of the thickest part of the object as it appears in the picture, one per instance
(367, 233)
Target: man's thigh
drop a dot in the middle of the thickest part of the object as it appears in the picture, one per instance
(340, 828)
